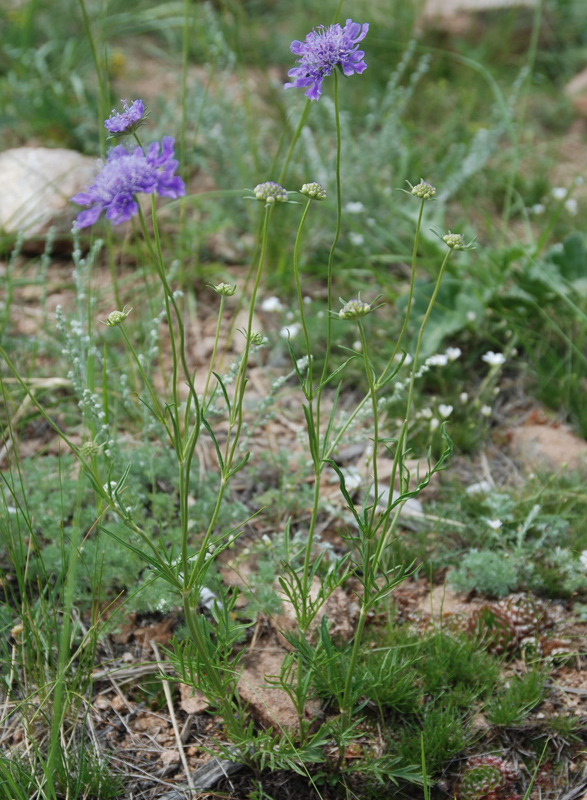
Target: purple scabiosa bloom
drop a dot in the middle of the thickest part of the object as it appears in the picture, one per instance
(128, 121)
(125, 175)
(323, 50)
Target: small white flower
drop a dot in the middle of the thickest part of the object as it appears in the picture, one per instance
(559, 192)
(493, 359)
(356, 238)
(358, 346)
(266, 540)
(438, 360)
(494, 524)
(289, 331)
(452, 353)
(307, 300)
(583, 559)
(463, 397)
(571, 206)
(354, 208)
(445, 410)
(471, 316)
(434, 423)
(426, 413)
(289, 316)
(538, 208)
(485, 411)
(271, 304)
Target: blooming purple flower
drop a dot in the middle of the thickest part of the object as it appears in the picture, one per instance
(126, 174)
(128, 121)
(323, 50)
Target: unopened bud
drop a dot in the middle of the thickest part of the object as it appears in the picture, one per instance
(270, 192)
(314, 190)
(423, 190)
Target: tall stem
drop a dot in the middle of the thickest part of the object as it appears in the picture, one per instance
(308, 389)
(331, 254)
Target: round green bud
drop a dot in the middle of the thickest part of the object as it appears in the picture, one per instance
(423, 190)
(354, 309)
(456, 241)
(225, 289)
(314, 190)
(270, 192)
(90, 449)
(116, 318)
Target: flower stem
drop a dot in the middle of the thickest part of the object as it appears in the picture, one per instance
(308, 387)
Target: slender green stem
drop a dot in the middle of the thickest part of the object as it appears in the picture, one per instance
(166, 293)
(373, 396)
(331, 254)
(240, 383)
(296, 136)
(308, 388)
(319, 463)
(212, 672)
(157, 406)
(100, 75)
(421, 336)
(214, 350)
(305, 616)
(204, 543)
(410, 298)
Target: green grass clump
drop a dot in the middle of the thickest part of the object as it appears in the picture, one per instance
(514, 702)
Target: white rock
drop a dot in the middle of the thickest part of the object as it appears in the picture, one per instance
(36, 185)
(444, 7)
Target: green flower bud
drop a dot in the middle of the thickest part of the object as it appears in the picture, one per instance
(423, 190)
(225, 289)
(116, 318)
(270, 192)
(354, 309)
(90, 449)
(456, 241)
(314, 190)
(256, 339)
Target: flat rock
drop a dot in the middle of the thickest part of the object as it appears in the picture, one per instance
(37, 183)
(435, 8)
(548, 446)
(458, 16)
(192, 700)
(269, 705)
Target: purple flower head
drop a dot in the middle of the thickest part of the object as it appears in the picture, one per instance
(323, 50)
(126, 174)
(128, 121)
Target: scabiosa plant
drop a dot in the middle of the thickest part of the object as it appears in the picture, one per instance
(126, 174)
(128, 120)
(324, 49)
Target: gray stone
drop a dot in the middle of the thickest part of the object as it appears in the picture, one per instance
(37, 183)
